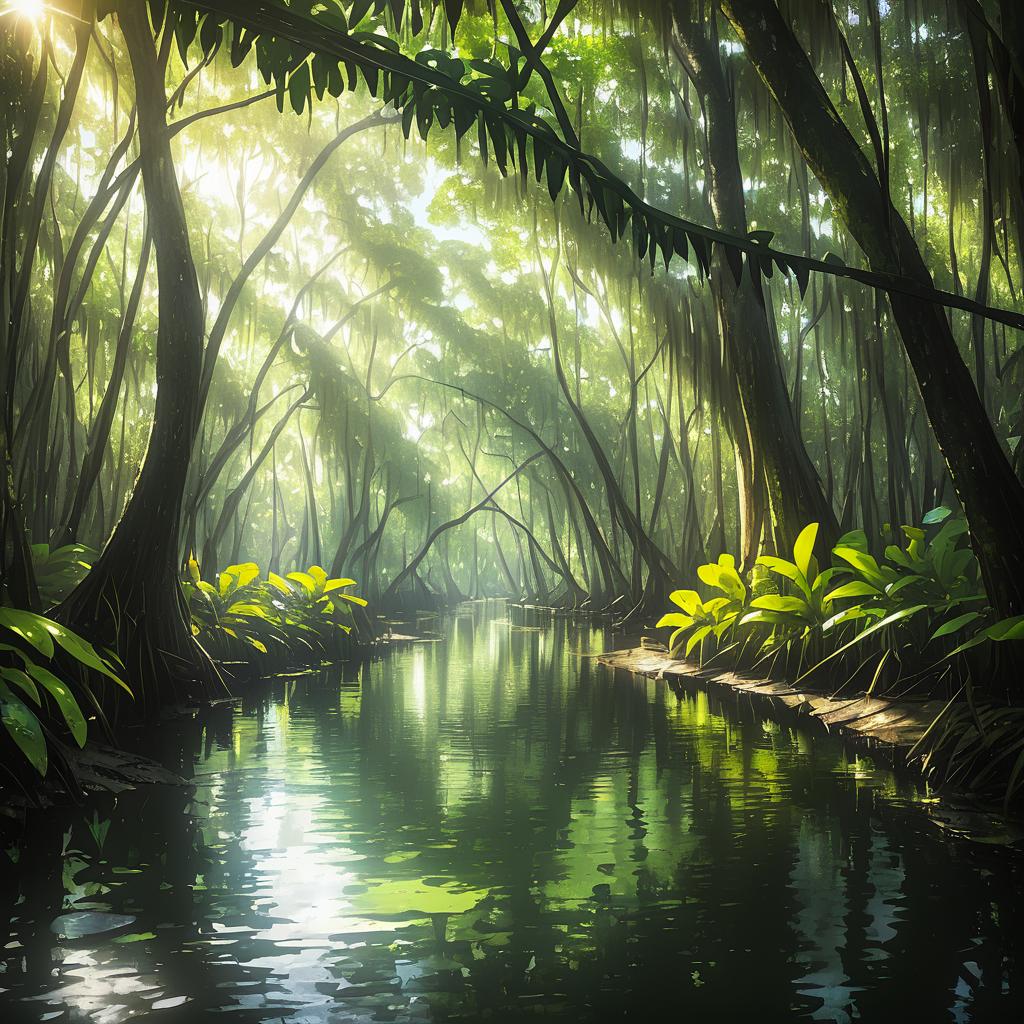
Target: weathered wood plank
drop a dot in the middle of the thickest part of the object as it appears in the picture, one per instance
(899, 724)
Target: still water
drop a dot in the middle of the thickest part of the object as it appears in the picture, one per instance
(494, 828)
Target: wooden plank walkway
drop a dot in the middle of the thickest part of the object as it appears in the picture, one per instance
(899, 724)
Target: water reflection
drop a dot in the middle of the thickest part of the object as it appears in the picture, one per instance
(493, 827)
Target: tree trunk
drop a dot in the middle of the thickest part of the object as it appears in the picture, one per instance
(132, 597)
(990, 493)
(788, 477)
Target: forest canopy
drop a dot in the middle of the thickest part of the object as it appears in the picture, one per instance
(554, 301)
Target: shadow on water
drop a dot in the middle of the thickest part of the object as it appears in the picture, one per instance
(493, 828)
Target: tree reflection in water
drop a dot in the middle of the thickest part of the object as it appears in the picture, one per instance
(494, 828)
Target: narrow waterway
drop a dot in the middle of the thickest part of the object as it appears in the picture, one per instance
(493, 827)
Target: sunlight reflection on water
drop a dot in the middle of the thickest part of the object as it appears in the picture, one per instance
(494, 828)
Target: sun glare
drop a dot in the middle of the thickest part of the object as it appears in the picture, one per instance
(31, 9)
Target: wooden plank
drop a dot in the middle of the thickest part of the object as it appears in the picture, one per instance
(899, 724)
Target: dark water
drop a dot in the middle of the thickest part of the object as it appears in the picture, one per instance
(491, 828)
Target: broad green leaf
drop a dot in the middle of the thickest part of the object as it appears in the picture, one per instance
(789, 570)
(855, 588)
(803, 549)
(304, 580)
(905, 581)
(24, 728)
(338, 584)
(64, 699)
(854, 539)
(244, 573)
(280, 584)
(16, 677)
(674, 619)
(724, 578)
(936, 515)
(709, 573)
(688, 600)
(249, 609)
(1007, 629)
(30, 627)
(781, 603)
(696, 637)
(862, 562)
(956, 624)
(84, 652)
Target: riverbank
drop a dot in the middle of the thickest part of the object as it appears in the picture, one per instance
(899, 724)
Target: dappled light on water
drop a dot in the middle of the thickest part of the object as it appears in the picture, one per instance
(493, 827)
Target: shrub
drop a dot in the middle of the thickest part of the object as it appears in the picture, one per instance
(38, 699)
(277, 620)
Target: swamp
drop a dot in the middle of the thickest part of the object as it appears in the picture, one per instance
(511, 509)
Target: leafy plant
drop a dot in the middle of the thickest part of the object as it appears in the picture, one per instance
(925, 591)
(806, 605)
(714, 616)
(60, 570)
(901, 608)
(291, 618)
(34, 693)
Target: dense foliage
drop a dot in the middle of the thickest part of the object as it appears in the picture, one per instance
(552, 301)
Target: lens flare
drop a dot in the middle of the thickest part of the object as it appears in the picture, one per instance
(30, 9)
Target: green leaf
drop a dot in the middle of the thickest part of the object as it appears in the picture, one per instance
(1007, 629)
(936, 515)
(674, 619)
(803, 549)
(18, 678)
(304, 580)
(787, 569)
(30, 627)
(24, 728)
(862, 562)
(688, 600)
(249, 609)
(84, 652)
(781, 603)
(855, 588)
(338, 584)
(696, 637)
(854, 539)
(955, 624)
(280, 584)
(298, 87)
(64, 699)
(889, 620)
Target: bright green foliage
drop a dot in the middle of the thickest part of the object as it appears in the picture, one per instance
(34, 696)
(291, 618)
(806, 605)
(919, 597)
